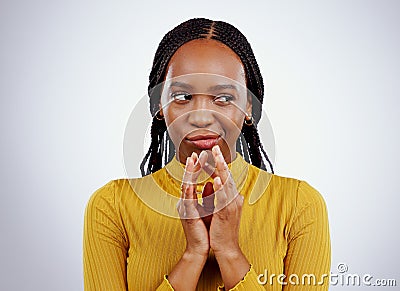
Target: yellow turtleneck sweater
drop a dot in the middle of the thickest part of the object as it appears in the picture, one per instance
(133, 236)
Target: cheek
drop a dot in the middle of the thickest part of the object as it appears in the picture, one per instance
(232, 124)
(175, 124)
(170, 115)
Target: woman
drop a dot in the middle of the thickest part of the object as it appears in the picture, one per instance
(252, 230)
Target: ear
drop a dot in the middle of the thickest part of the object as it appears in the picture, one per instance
(249, 105)
(160, 110)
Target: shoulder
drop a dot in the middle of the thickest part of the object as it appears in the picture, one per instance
(306, 194)
(119, 190)
(307, 205)
(272, 187)
(108, 195)
(302, 193)
(125, 197)
(103, 217)
(292, 191)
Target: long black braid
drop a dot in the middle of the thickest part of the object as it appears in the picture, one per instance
(248, 144)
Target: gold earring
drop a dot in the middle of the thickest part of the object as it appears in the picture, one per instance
(248, 120)
(158, 116)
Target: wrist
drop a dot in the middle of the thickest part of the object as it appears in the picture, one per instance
(233, 266)
(229, 255)
(186, 273)
(194, 257)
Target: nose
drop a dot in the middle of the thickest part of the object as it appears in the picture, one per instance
(201, 114)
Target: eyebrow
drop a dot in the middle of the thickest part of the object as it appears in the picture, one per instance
(222, 87)
(212, 88)
(181, 84)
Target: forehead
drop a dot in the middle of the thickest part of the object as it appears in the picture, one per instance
(206, 56)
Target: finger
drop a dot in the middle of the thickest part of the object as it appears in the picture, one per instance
(196, 164)
(203, 157)
(220, 164)
(209, 169)
(188, 206)
(239, 200)
(179, 206)
(220, 194)
(230, 188)
(196, 167)
(187, 181)
(188, 195)
(208, 198)
(225, 174)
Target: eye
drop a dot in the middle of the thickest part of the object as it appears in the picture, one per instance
(223, 99)
(181, 97)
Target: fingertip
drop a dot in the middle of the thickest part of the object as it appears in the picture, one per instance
(217, 182)
(203, 157)
(216, 148)
(189, 163)
(194, 156)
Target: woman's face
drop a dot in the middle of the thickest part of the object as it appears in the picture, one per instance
(204, 98)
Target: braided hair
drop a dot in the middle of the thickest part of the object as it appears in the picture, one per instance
(248, 143)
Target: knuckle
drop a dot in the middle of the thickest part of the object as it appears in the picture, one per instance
(222, 199)
(179, 204)
(230, 182)
(187, 202)
(239, 200)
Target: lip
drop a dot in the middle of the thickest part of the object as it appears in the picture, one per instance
(204, 141)
(202, 136)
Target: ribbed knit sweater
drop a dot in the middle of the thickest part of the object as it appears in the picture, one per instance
(133, 236)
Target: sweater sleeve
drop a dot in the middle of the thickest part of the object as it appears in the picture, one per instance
(248, 283)
(105, 244)
(308, 257)
(165, 285)
(307, 261)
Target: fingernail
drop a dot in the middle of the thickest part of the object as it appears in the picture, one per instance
(217, 181)
(193, 156)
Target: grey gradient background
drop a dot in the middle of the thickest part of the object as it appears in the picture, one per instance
(72, 71)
